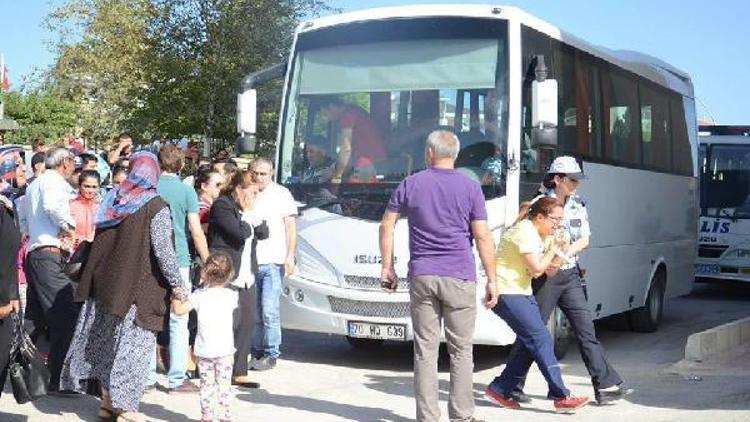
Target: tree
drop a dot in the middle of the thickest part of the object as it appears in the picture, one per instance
(40, 114)
(172, 67)
(102, 51)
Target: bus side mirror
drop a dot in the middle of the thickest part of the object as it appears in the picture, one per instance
(246, 121)
(544, 113)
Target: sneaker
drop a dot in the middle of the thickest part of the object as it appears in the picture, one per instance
(501, 400)
(520, 397)
(185, 387)
(265, 363)
(244, 381)
(570, 404)
(609, 394)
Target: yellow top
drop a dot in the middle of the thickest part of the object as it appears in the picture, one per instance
(512, 275)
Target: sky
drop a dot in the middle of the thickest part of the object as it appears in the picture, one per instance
(708, 40)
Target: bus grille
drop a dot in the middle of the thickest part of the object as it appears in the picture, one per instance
(711, 251)
(369, 309)
(372, 283)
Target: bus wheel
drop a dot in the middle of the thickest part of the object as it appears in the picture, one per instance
(559, 329)
(364, 343)
(648, 318)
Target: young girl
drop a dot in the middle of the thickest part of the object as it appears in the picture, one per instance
(214, 344)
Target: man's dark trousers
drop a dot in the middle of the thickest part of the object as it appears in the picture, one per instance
(565, 290)
(53, 291)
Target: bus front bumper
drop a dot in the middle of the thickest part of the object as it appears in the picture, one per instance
(323, 308)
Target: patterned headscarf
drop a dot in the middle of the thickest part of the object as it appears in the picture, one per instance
(133, 193)
(8, 163)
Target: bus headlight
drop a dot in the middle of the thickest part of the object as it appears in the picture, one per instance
(312, 266)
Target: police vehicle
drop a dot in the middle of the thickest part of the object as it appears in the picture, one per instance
(724, 227)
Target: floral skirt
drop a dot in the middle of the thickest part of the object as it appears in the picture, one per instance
(112, 350)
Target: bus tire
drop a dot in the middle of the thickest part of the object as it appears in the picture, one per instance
(559, 329)
(364, 343)
(648, 318)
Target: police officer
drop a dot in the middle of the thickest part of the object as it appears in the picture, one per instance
(565, 289)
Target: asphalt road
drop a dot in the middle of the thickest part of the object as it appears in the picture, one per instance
(321, 378)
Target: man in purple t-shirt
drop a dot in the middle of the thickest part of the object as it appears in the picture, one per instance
(445, 211)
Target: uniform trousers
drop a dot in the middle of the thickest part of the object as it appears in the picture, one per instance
(565, 290)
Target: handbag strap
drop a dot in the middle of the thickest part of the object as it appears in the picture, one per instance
(20, 338)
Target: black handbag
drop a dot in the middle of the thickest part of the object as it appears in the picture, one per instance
(74, 267)
(29, 375)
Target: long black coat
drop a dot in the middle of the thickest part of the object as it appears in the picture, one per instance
(10, 242)
(226, 230)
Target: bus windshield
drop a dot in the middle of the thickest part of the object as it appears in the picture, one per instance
(726, 181)
(357, 118)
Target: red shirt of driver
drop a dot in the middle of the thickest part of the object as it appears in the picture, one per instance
(367, 145)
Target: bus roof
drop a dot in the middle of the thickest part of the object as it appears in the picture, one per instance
(641, 64)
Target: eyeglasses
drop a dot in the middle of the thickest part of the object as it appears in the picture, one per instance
(556, 220)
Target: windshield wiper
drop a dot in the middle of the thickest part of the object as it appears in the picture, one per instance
(323, 204)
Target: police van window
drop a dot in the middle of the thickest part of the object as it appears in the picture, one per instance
(621, 117)
(656, 144)
(682, 158)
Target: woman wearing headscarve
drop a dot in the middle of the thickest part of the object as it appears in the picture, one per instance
(129, 277)
(10, 242)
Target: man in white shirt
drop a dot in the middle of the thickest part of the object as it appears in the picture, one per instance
(275, 255)
(52, 227)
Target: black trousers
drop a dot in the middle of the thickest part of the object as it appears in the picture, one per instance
(53, 293)
(565, 290)
(243, 329)
(6, 337)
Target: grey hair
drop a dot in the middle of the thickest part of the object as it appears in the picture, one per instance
(260, 160)
(444, 144)
(56, 156)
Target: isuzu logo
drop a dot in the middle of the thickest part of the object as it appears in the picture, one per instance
(371, 259)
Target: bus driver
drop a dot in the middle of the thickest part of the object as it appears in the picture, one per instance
(360, 143)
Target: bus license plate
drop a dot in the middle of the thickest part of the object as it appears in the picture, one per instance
(378, 331)
(707, 269)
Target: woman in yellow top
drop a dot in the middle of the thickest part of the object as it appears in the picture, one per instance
(520, 256)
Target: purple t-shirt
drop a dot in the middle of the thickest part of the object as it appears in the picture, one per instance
(440, 205)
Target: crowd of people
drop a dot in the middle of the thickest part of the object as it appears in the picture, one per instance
(154, 245)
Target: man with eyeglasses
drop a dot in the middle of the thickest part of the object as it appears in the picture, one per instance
(275, 259)
(565, 289)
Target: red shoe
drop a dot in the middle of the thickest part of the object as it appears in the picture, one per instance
(501, 400)
(570, 404)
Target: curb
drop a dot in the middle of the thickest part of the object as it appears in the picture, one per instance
(718, 341)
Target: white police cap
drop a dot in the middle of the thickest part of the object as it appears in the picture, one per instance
(568, 166)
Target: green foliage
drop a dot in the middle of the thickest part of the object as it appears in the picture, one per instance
(172, 68)
(40, 114)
